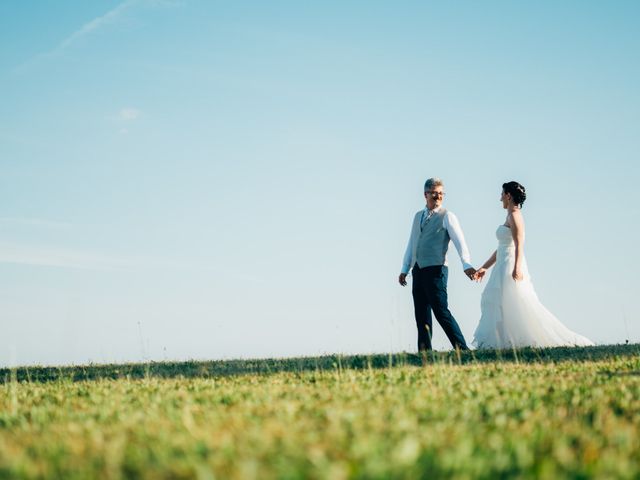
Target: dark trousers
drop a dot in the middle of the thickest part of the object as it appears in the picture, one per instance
(430, 294)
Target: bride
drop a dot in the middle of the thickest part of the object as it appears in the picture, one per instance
(512, 315)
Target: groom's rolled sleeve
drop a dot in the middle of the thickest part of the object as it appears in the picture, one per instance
(454, 229)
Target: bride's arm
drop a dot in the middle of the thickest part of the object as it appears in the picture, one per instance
(485, 266)
(489, 263)
(517, 231)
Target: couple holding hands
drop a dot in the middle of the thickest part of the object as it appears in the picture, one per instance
(511, 314)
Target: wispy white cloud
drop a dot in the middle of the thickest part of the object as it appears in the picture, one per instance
(125, 117)
(108, 18)
(113, 16)
(33, 222)
(129, 113)
(58, 257)
(53, 256)
(18, 252)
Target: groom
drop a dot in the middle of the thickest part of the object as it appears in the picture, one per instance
(426, 252)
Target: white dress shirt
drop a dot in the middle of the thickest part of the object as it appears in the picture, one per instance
(454, 230)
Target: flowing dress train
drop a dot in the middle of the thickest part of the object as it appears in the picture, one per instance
(511, 314)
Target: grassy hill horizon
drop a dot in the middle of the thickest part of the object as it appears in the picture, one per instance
(211, 368)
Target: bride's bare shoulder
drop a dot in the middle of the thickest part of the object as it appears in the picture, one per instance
(514, 217)
(517, 220)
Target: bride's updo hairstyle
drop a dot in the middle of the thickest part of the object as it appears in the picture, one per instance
(516, 191)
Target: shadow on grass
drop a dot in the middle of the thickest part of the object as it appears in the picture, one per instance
(220, 368)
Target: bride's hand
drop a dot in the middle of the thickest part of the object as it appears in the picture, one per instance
(479, 274)
(517, 274)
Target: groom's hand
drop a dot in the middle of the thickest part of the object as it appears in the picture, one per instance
(470, 272)
(402, 279)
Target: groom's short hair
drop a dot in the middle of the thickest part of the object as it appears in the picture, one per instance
(432, 182)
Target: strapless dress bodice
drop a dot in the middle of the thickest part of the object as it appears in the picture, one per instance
(505, 239)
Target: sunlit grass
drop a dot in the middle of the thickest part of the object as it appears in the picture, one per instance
(490, 419)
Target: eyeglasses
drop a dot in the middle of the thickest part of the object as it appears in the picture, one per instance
(436, 194)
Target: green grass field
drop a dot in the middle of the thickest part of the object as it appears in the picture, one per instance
(549, 413)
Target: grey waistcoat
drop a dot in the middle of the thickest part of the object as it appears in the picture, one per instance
(431, 244)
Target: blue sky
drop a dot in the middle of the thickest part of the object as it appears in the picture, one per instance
(195, 179)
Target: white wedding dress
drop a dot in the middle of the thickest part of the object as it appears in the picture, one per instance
(511, 314)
